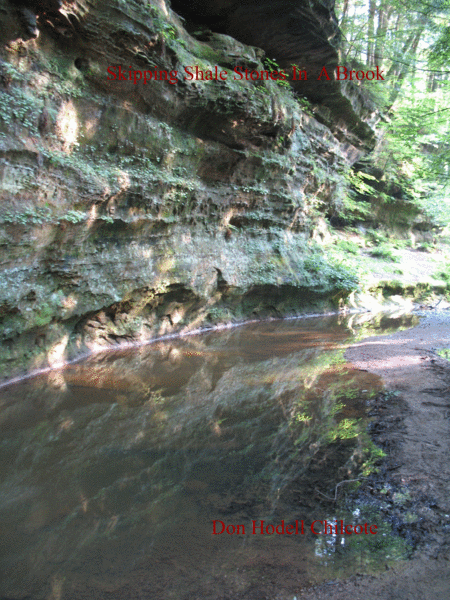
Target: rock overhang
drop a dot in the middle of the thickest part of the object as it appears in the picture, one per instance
(294, 32)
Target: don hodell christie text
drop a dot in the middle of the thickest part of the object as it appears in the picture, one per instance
(297, 527)
(194, 73)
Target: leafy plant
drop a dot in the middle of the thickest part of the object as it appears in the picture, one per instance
(347, 246)
(272, 65)
(443, 273)
(359, 181)
(345, 430)
(30, 216)
(162, 26)
(306, 106)
(444, 353)
(330, 275)
(385, 251)
(74, 216)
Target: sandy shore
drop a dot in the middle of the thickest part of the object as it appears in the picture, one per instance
(421, 452)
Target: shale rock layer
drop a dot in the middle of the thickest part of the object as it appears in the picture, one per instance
(131, 210)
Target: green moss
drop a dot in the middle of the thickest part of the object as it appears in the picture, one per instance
(206, 53)
(368, 550)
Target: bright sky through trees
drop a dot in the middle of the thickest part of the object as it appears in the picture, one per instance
(410, 40)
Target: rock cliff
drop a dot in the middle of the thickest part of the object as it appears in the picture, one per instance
(137, 202)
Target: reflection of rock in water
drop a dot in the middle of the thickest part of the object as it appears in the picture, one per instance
(132, 457)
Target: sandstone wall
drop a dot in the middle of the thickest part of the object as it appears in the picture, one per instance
(129, 212)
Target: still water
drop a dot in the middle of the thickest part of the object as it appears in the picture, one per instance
(115, 473)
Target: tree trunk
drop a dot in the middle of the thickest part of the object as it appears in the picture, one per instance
(399, 70)
(384, 13)
(371, 33)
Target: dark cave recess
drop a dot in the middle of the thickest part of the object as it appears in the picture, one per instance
(291, 32)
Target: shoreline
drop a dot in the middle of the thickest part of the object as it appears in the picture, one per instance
(171, 336)
(414, 426)
(405, 420)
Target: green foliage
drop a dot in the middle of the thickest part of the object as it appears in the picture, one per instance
(346, 429)
(305, 105)
(331, 274)
(407, 152)
(444, 353)
(410, 41)
(386, 252)
(106, 218)
(167, 31)
(302, 417)
(74, 216)
(378, 237)
(439, 52)
(358, 209)
(40, 215)
(426, 247)
(443, 273)
(271, 65)
(373, 455)
(19, 107)
(437, 206)
(351, 204)
(35, 215)
(347, 246)
(359, 182)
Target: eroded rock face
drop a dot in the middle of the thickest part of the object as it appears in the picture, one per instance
(129, 210)
(302, 33)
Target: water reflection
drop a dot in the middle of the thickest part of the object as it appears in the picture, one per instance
(112, 471)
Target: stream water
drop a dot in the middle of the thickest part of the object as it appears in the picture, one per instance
(119, 474)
